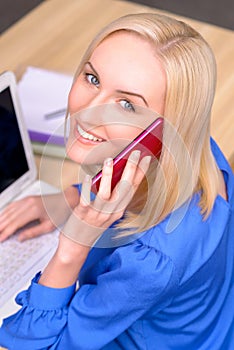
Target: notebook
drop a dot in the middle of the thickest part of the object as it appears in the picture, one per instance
(18, 177)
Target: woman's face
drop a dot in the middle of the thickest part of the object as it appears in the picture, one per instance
(118, 94)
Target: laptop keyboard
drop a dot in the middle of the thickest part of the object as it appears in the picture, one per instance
(19, 261)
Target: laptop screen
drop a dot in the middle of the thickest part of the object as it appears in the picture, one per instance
(13, 162)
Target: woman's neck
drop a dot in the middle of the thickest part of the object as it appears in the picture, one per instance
(222, 186)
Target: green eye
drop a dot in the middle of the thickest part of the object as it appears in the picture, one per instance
(127, 105)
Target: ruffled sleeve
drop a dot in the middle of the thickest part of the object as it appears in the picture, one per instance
(119, 290)
(41, 319)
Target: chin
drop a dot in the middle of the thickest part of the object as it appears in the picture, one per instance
(74, 155)
(79, 156)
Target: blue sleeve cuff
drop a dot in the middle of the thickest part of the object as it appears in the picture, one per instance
(47, 298)
(78, 187)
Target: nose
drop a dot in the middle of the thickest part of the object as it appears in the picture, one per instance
(94, 100)
(96, 115)
(88, 106)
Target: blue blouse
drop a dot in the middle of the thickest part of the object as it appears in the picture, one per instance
(159, 291)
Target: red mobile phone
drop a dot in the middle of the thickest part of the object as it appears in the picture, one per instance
(149, 142)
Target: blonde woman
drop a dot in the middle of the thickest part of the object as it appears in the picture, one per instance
(153, 257)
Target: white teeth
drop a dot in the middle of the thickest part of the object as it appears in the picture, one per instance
(87, 135)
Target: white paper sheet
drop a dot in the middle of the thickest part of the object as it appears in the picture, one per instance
(43, 92)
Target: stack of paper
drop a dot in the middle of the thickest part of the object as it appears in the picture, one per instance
(43, 96)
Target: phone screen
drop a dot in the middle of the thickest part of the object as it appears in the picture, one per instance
(149, 142)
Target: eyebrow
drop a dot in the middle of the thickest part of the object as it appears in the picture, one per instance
(120, 91)
(133, 94)
(93, 69)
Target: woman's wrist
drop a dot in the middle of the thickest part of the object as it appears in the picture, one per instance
(81, 233)
(63, 269)
(69, 251)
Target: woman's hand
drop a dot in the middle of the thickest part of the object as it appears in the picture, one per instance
(47, 212)
(90, 219)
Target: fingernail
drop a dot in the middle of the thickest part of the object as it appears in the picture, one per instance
(108, 161)
(135, 155)
(147, 159)
(87, 178)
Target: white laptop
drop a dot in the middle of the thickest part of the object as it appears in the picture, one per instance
(18, 261)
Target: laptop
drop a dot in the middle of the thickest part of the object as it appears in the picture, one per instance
(19, 262)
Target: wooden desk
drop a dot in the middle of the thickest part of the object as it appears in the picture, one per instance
(55, 35)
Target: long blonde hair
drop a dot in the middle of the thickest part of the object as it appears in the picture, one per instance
(186, 164)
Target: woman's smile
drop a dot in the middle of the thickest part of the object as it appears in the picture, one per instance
(86, 137)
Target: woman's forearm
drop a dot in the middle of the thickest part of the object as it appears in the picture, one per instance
(63, 269)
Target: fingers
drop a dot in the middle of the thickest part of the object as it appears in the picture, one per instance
(11, 220)
(130, 170)
(35, 231)
(90, 219)
(142, 170)
(136, 178)
(105, 202)
(116, 202)
(9, 213)
(6, 233)
(82, 207)
(135, 169)
(132, 176)
(105, 184)
(17, 215)
(31, 230)
(85, 192)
